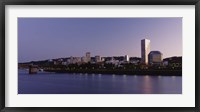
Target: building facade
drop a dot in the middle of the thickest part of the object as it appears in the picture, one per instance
(155, 57)
(97, 59)
(173, 62)
(88, 56)
(84, 59)
(126, 58)
(145, 49)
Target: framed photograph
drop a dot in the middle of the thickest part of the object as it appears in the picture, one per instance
(102, 54)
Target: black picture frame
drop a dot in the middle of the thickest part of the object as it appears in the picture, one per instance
(3, 3)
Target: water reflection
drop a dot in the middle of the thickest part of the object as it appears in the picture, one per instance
(173, 78)
(159, 77)
(81, 83)
(113, 77)
(147, 85)
(99, 75)
(124, 78)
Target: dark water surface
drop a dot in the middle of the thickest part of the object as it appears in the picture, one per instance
(76, 83)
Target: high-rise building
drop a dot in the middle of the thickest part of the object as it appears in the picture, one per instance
(145, 49)
(126, 58)
(155, 57)
(88, 56)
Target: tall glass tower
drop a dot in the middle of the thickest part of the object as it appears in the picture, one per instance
(145, 49)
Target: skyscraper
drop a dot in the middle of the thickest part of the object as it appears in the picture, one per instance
(126, 58)
(145, 49)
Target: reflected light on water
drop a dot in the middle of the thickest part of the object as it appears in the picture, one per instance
(99, 75)
(93, 76)
(114, 85)
(81, 83)
(147, 85)
(173, 78)
(113, 75)
(159, 76)
(124, 78)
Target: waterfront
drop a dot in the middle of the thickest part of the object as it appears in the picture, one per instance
(79, 83)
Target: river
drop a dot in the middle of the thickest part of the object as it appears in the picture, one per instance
(77, 83)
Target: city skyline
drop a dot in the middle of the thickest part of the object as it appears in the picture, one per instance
(49, 38)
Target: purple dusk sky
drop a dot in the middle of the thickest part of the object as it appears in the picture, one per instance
(48, 38)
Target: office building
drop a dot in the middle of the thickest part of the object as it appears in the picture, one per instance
(145, 49)
(84, 59)
(88, 56)
(155, 57)
(126, 58)
(97, 59)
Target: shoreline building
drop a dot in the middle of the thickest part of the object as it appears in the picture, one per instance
(97, 58)
(145, 50)
(88, 58)
(84, 59)
(126, 58)
(155, 57)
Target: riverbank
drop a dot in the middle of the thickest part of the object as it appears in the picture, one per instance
(122, 72)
